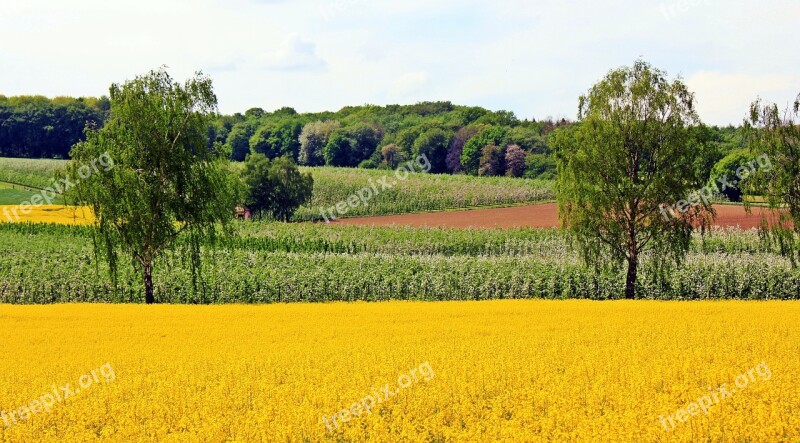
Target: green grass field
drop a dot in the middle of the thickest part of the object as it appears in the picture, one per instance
(12, 194)
(416, 193)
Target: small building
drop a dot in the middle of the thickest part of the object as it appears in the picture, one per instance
(243, 213)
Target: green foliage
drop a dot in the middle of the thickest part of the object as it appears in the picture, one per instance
(365, 138)
(218, 134)
(159, 180)
(473, 149)
(528, 138)
(472, 114)
(269, 263)
(709, 141)
(38, 127)
(499, 118)
(540, 166)
(492, 161)
(275, 188)
(431, 108)
(405, 138)
(238, 140)
(254, 113)
(626, 157)
(456, 148)
(391, 156)
(350, 146)
(433, 145)
(438, 129)
(277, 139)
(774, 137)
(727, 171)
(313, 139)
(32, 128)
(370, 163)
(339, 150)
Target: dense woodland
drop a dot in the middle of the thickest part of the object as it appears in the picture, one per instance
(39, 127)
(456, 139)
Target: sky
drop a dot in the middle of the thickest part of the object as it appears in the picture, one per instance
(531, 57)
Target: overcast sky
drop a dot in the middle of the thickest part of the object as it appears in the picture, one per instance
(534, 58)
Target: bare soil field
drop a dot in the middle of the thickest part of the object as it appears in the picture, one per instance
(535, 216)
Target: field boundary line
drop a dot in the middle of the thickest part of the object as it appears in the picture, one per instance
(24, 186)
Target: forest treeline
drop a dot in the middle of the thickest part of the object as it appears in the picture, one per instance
(455, 139)
(40, 127)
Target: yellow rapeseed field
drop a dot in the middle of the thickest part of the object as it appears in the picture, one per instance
(457, 371)
(65, 215)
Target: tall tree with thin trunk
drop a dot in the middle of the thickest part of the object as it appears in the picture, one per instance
(629, 157)
(167, 188)
(774, 136)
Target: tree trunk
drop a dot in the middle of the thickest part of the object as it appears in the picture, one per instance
(148, 282)
(630, 280)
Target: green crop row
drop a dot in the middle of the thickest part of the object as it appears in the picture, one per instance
(344, 239)
(49, 264)
(417, 192)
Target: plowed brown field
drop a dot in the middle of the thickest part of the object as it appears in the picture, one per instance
(535, 216)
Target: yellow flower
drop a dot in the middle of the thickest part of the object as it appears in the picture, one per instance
(512, 371)
(64, 215)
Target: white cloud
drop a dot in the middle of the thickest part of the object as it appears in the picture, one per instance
(409, 83)
(726, 97)
(533, 59)
(294, 53)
